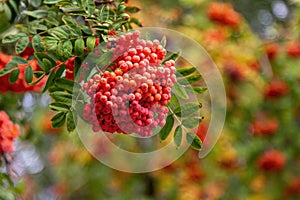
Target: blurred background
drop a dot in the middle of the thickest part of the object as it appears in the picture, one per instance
(255, 45)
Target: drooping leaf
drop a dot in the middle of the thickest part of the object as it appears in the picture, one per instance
(21, 45)
(136, 21)
(28, 74)
(121, 8)
(52, 21)
(199, 90)
(40, 56)
(178, 136)
(79, 47)
(13, 4)
(105, 58)
(86, 30)
(67, 49)
(166, 130)
(13, 38)
(185, 71)
(90, 6)
(59, 119)
(77, 65)
(51, 1)
(40, 27)
(190, 79)
(163, 41)
(191, 122)
(179, 91)
(65, 84)
(37, 81)
(36, 13)
(36, 43)
(49, 80)
(36, 3)
(60, 71)
(173, 103)
(59, 32)
(187, 109)
(60, 50)
(71, 121)
(56, 106)
(19, 60)
(62, 97)
(14, 75)
(38, 74)
(11, 65)
(90, 43)
(132, 9)
(5, 71)
(173, 56)
(47, 64)
(194, 141)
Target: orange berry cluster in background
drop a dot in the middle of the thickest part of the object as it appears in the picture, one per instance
(224, 14)
(8, 133)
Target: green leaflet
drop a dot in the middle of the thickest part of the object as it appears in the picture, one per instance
(166, 130)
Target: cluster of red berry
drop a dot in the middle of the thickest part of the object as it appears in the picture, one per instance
(224, 14)
(271, 160)
(70, 68)
(20, 85)
(276, 89)
(8, 133)
(292, 49)
(264, 127)
(130, 96)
